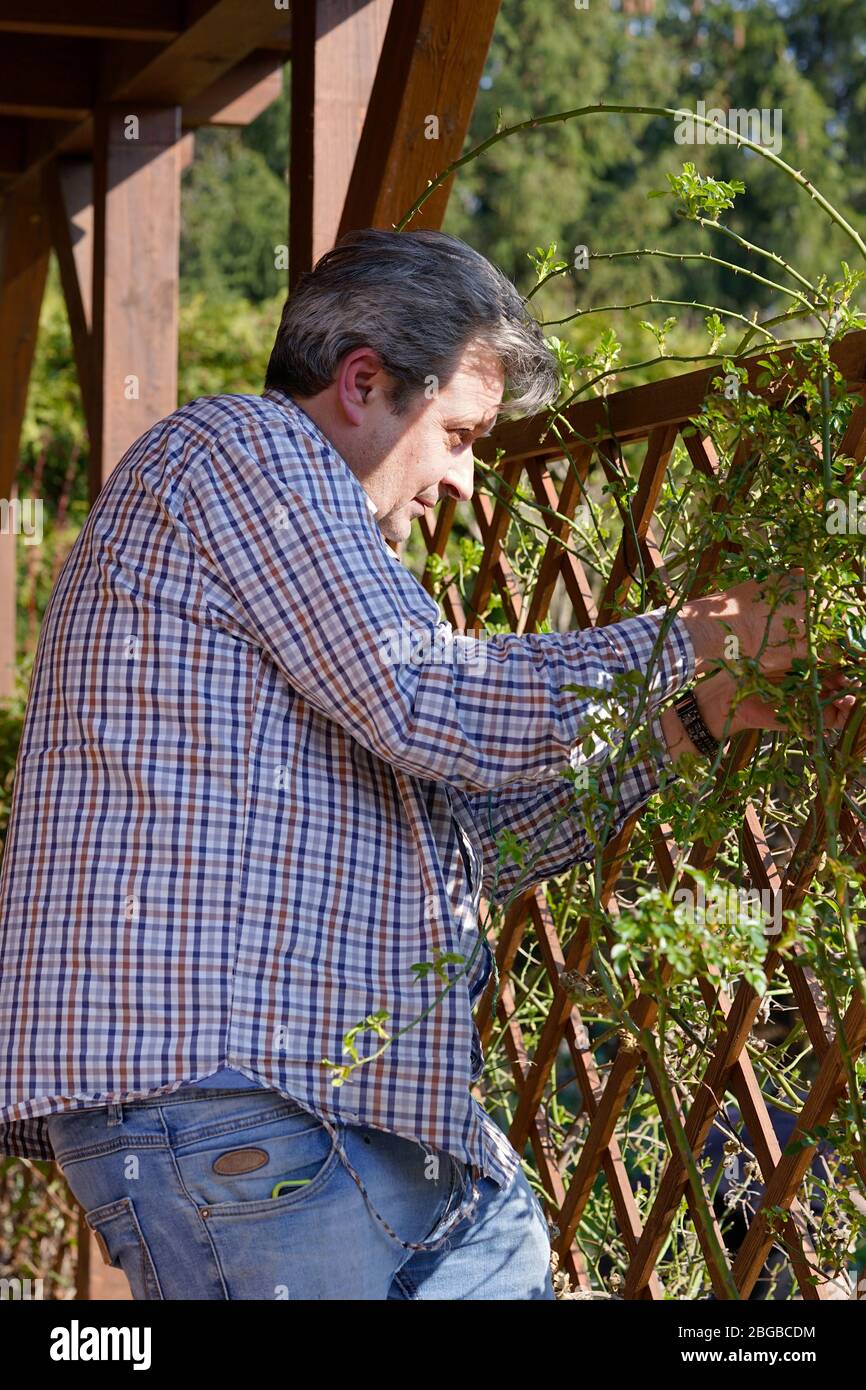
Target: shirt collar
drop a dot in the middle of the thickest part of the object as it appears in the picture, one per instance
(289, 404)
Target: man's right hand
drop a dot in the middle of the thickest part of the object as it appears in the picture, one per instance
(767, 617)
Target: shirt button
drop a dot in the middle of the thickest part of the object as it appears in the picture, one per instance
(430, 909)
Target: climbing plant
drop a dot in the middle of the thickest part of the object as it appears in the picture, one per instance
(785, 497)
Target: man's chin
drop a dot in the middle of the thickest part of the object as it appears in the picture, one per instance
(397, 526)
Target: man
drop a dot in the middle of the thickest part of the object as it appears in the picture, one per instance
(239, 822)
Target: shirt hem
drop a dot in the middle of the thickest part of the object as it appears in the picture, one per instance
(24, 1125)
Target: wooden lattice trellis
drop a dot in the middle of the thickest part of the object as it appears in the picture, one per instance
(654, 414)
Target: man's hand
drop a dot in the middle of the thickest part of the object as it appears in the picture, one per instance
(715, 698)
(767, 618)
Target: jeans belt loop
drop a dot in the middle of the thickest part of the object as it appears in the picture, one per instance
(115, 1114)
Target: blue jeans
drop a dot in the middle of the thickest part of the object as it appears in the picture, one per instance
(178, 1190)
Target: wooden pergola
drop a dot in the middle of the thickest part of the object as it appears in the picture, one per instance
(655, 419)
(99, 104)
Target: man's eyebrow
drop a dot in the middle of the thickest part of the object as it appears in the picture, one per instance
(468, 425)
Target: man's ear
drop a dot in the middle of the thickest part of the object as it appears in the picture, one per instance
(360, 370)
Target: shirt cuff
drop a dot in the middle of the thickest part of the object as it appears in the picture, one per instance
(682, 658)
(677, 666)
(632, 642)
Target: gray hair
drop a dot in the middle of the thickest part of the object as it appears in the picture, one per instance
(417, 299)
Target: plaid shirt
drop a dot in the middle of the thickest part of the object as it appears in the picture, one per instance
(242, 811)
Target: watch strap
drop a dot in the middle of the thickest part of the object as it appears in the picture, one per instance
(692, 721)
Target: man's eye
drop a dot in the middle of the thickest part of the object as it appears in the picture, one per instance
(460, 438)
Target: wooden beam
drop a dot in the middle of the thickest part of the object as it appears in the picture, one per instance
(632, 413)
(135, 278)
(68, 192)
(242, 94)
(8, 604)
(27, 143)
(48, 78)
(187, 149)
(336, 52)
(218, 35)
(13, 146)
(236, 99)
(24, 251)
(221, 36)
(427, 82)
(153, 20)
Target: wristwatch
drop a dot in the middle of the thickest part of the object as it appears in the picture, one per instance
(692, 721)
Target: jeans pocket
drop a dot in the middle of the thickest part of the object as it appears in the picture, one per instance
(123, 1246)
(266, 1166)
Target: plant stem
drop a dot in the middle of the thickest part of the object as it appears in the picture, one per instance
(621, 108)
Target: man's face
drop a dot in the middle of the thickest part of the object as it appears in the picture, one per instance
(407, 462)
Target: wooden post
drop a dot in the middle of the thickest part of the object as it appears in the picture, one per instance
(8, 604)
(137, 167)
(24, 250)
(419, 110)
(336, 45)
(68, 189)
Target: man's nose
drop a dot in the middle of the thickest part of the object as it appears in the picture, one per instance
(459, 481)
